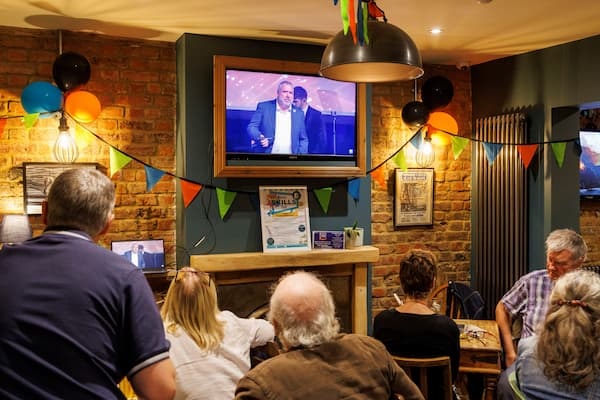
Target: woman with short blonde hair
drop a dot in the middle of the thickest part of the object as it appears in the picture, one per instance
(209, 347)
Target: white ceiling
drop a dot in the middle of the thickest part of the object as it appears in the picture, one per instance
(472, 32)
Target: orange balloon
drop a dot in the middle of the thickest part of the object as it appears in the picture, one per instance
(83, 106)
(440, 123)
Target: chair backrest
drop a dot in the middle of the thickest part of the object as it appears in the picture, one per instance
(417, 369)
(458, 300)
(448, 304)
(514, 386)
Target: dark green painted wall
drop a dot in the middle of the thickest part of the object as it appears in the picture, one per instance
(549, 85)
(240, 230)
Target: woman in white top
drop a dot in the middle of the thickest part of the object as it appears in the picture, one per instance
(210, 348)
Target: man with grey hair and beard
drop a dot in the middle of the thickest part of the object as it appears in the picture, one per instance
(528, 299)
(317, 361)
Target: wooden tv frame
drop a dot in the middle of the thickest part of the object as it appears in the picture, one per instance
(279, 169)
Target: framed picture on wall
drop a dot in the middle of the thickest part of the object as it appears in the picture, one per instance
(413, 197)
(38, 177)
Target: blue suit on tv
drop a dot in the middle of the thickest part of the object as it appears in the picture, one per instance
(263, 123)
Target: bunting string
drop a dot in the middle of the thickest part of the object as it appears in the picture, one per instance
(191, 188)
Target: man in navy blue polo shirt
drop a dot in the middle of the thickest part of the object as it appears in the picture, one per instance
(76, 318)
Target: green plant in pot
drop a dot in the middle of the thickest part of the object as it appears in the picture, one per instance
(354, 236)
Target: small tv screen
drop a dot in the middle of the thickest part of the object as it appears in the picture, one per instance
(589, 164)
(146, 254)
(326, 109)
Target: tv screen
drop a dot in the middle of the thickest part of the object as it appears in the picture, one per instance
(274, 118)
(146, 254)
(332, 105)
(589, 164)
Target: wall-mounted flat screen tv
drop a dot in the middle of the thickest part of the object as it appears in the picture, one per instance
(280, 119)
(589, 164)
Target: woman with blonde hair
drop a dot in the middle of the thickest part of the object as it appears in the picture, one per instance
(563, 360)
(209, 347)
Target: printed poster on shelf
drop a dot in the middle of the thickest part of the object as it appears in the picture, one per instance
(284, 218)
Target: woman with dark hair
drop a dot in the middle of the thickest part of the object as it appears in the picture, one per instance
(563, 360)
(413, 329)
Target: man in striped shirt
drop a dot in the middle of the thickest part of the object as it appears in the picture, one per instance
(528, 298)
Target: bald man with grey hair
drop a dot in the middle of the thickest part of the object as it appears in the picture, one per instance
(317, 361)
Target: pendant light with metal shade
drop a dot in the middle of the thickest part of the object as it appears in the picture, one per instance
(389, 55)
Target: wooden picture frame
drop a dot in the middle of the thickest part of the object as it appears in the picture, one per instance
(38, 177)
(413, 197)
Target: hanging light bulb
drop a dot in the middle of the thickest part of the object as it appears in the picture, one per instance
(425, 156)
(65, 147)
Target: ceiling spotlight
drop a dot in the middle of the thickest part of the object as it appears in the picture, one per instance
(435, 31)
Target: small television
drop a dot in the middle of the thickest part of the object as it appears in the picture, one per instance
(241, 83)
(589, 164)
(146, 254)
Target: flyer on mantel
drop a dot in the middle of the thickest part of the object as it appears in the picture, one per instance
(284, 218)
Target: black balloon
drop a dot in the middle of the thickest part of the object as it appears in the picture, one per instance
(437, 92)
(415, 114)
(70, 71)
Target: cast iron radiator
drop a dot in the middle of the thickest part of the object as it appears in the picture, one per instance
(499, 230)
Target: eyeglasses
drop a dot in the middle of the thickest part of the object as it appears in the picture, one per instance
(181, 273)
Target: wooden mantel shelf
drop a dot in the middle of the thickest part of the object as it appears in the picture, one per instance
(231, 267)
(278, 259)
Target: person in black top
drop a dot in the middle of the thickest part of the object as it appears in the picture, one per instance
(413, 329)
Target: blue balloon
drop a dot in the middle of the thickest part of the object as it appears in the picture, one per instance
(41, 97)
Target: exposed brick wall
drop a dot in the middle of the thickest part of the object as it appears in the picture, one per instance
(135, 81)
(589, 226)
(450, 236)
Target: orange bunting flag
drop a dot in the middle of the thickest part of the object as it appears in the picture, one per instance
(352, 19)
(2, 125)
(190, 190)
(377, 176)
(527, 151)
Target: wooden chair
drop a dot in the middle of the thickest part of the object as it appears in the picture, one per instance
(417, 369)
(514, 385)
(449, 305)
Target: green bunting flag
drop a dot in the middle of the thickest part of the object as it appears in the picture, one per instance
(559, 149)
(400, 160)
(458, 145)
(324, 197)
(225, 199)
(29, 120)
(117, 160)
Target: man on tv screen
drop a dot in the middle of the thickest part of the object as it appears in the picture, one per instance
(136, 255)
(277, 126)
(313, 121)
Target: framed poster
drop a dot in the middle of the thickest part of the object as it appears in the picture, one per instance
(38, 177)
(284, 218)
(413, 197)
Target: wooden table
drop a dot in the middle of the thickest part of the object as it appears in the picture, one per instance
(482, 355)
